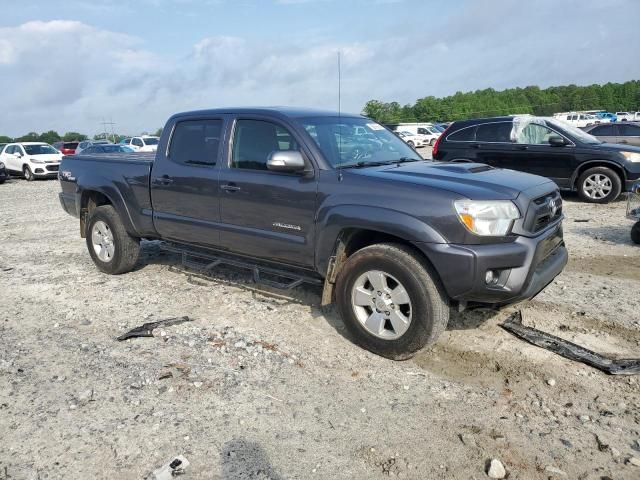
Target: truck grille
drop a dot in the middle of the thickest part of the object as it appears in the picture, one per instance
(543, 211)
(52, 168)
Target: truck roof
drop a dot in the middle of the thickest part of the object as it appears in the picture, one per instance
(291, 112)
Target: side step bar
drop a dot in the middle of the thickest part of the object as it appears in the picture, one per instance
(205, 261)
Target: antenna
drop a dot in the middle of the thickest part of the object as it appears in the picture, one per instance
(339, 85)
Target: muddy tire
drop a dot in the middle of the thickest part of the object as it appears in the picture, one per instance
(28, 174)
(635, 233)
(112, 249)
(391, 301)
(599, 185)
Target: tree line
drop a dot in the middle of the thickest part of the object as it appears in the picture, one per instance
(611, 97)
(52, 137)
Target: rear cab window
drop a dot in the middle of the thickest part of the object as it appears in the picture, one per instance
(196, 142)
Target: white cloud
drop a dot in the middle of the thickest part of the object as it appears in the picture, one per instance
(67, 75)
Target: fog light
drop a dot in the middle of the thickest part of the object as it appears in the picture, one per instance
(491, 277)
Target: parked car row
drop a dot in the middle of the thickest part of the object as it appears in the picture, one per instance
(626, 133)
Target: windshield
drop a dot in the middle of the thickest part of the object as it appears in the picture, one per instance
(39, 149)
(150, 141)
(578, 134)
(351, 141)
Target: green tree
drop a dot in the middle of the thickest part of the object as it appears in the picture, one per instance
(158, 132)
(49, 137)
(74, 136)
(5, 139)
(29, 137)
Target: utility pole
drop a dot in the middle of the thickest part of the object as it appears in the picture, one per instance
(106, 131)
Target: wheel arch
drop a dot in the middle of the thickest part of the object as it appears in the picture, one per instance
(617, 168)
(92, 198)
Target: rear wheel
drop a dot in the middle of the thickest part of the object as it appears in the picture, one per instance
(599, 185)
(28, 174)
(112, 249)
(390, 301)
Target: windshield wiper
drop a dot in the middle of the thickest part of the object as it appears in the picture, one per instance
(362, 164)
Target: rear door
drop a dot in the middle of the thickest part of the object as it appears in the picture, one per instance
(265, 213)
(606, 132)
(493, 144)
(629, 134)
(184, 182)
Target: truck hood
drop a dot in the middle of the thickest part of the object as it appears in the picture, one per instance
(476, 181)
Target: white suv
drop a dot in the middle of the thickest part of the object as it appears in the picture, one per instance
(142, 144)
(31, 159)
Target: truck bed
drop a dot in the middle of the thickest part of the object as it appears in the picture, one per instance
(122, 177)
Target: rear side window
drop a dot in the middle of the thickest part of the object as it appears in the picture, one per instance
(463, 135)
(137, 142)
(255, 140)
(603, 130)
(629, 130)
(196, 142)
(497, 132)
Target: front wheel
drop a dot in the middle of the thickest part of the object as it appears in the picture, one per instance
(635, 233)
(391, 301)
(112, 249)
(28, 174)
(599, 185)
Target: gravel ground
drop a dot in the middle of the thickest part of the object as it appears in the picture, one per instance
(260, 385)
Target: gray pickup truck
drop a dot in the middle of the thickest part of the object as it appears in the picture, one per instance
(396, 240)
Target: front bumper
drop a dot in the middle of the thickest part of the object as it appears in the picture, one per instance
(524, 267)
(49, 170)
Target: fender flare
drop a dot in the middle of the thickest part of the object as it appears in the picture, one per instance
(575, 174)
(334, 221)
(115, 198)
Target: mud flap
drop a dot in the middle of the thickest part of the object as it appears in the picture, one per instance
(567, 349)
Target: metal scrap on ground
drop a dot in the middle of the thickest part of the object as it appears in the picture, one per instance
(567, 349)
(146, 330)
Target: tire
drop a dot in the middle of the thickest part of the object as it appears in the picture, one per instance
(118, 253)
(432, 142)
(427, 309)
(635, 233)
(28, 174)
(599, 185)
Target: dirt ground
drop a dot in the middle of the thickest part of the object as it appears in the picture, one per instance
(265, 386)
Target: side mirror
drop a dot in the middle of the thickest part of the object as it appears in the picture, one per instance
(17, 155)
(286, 161)
(557, 141)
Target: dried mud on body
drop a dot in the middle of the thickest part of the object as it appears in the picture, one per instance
(261, 385)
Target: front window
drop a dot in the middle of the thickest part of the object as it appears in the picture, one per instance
(40, 150)
(255, 140)
(151, 141)
(340, 145)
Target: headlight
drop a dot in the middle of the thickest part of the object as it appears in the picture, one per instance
(487, 217)
(632, 156)
(36, 160)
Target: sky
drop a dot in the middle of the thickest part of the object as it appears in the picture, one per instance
(68, 65)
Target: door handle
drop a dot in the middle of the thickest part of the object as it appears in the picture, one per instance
(475, 145)
(624, 141)
(163, 180)
(522, 147)
(230, 188)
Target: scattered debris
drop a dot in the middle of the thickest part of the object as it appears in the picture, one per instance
(633, 461)
(555, 471)
(146, 330)
(551, 382)
(567, 349)
(175, 467)
(496, 469)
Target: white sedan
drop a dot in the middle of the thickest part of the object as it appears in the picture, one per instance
(31, 159)
(412, 139)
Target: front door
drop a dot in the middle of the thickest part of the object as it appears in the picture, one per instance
(184, 183)
(264, 213)
(532, 153)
